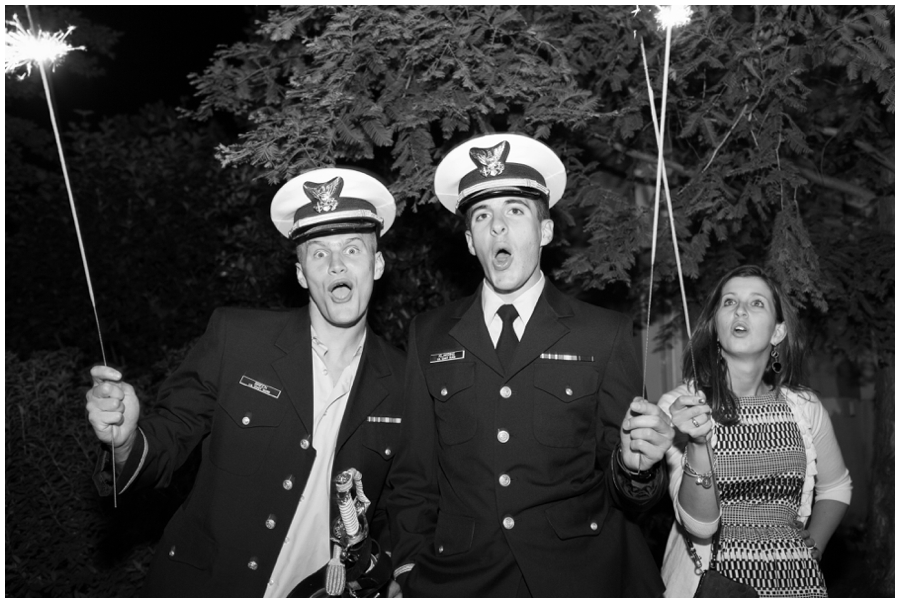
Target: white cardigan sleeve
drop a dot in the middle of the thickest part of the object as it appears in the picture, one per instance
(826, 473)
(674, 455)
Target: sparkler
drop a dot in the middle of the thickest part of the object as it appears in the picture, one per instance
(27, 48)
(668, 17)
(675, 15)
(24, 48)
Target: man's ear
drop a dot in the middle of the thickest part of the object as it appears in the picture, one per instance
(469, 242)
(300, 277)
(546, 232)
(379, 265)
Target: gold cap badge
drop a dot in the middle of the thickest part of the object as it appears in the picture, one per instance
(324, 196)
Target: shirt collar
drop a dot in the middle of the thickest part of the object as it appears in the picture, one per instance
(525, 303)
(322, 349)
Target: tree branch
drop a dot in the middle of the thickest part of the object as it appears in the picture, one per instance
(864, 195)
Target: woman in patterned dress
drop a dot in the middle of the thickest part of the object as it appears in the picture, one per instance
(752, 446)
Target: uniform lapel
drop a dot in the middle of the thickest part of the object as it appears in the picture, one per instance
(543, 329)
(472, 333)
(368, 390)
(295, 367)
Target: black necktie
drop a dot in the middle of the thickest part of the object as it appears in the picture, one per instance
(506, 345)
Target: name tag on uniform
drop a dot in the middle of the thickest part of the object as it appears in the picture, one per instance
(260, 387)
(447, 356)
(567, 357)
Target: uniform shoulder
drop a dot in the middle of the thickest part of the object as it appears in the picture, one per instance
(253, 320)
(449, 310)
(598, 312)
(389, 350)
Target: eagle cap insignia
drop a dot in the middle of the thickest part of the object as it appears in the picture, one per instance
(492, 161)
(324, 196)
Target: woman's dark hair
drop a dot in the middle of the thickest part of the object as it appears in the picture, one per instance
(712, 370)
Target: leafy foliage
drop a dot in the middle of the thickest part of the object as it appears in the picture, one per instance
(168, 234)
(757, 147)
(54, 524)
(62, 539)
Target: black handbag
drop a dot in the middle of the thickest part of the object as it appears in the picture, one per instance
(714, 584)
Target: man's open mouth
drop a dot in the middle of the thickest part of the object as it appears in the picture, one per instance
(502, 258)
(341, 290)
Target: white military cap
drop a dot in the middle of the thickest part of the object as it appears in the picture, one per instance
(498, 164)
(330, 201)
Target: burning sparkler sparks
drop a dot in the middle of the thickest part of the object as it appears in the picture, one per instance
(25, 49)
(673, 15)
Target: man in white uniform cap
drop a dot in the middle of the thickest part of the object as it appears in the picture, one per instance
(281, 402)
(527, 444)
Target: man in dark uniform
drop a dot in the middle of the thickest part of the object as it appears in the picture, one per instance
(281, 402)
(519, 475)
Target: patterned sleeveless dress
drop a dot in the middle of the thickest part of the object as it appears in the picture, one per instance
(761, 463)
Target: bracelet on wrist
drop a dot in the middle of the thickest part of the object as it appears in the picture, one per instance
(702, 479)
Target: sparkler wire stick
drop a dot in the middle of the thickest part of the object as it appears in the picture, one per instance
(87, 272)
(665, 180)
(674, 18)
(660, 169)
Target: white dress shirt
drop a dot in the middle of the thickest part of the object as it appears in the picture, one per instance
(307, 546)
(525, 304)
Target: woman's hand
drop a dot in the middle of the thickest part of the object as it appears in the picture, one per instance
(809, 541)
(691, 416)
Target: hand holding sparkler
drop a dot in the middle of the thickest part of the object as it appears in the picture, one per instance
(691, 416)
(645, 436)
(113, 409)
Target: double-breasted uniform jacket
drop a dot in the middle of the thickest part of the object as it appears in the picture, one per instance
(246, 391)
(508, 476)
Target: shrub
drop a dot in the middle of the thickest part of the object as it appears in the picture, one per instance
(62, 538)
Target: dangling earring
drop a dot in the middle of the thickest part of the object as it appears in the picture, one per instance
(776, 365)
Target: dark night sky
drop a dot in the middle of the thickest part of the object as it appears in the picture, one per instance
(159, 47)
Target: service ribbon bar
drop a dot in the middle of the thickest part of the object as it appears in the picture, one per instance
(568, 357)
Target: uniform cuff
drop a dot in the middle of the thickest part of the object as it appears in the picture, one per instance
(103, 478)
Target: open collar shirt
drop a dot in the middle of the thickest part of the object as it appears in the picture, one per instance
(307, 547)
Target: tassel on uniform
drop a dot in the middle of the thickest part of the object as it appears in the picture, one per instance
(335, 575)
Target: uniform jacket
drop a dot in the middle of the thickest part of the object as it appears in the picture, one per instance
(257, 447)
(511, 471)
